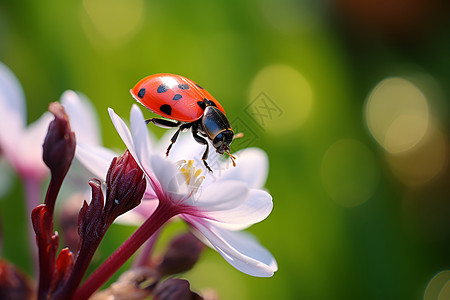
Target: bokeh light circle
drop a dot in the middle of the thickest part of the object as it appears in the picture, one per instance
(349, 172)
(397, 114)
(114, 20)
(280, 98)
(424, 162)
(439, 287)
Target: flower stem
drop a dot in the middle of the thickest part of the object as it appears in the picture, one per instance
(52, 192)
(162, 214)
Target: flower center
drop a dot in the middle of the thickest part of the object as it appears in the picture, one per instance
(191, 174)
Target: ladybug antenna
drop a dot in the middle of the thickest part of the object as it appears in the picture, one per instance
(232, 157)
(238, 135)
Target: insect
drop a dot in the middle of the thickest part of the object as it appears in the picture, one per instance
(186, 105)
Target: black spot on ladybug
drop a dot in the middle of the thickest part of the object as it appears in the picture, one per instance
(199, 87)
(209, 102)
(177, 97)
(183, 86)
(201, 104)
(162, 88)
(141, 93)
(166, 108)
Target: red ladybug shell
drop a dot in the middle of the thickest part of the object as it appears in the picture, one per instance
(173, 97)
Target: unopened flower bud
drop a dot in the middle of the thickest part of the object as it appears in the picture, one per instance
(59, 144)
(175, 289)
(125, 185)
(182, 254)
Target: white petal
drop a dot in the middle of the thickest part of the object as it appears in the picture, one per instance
(239, 249)
(252, 167)
(185, 148)
(165, 172)
(96, 159)
(130, 218)
(254, 209)
(12, 101)
(141, 140)
(222, 196)
(229, 226)
(123, 132)
(83, 117)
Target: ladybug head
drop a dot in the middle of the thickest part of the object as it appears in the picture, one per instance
(223, 140)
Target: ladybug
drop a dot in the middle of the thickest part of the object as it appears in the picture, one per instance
(186, 105)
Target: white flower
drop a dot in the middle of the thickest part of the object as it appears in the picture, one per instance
(19, 143)
(213, 207)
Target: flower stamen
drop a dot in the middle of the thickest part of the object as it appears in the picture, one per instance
(191, 174)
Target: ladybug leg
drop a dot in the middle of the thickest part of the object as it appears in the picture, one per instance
(202, 141)
(163, 123)
(175, 136)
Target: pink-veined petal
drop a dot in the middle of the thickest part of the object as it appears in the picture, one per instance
(239, 249)
(83, 117)
(146, 208)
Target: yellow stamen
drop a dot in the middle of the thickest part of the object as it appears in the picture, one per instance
(189, 172)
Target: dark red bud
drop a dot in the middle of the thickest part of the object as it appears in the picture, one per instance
(58, 152)
(174, 289)
(91, 223)
(181, 255)
(14, 284)
(59, 144)
(125, 186)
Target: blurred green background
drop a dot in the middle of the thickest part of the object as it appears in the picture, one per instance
(350, 99)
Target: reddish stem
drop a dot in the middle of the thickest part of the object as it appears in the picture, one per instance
(53, 191)
(162, 214)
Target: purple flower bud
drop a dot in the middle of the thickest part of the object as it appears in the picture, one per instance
(90, 220)
(175, 289)
(125, 186)
(182, 254)
(14, 285)
(59, 144)
(58, 151)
